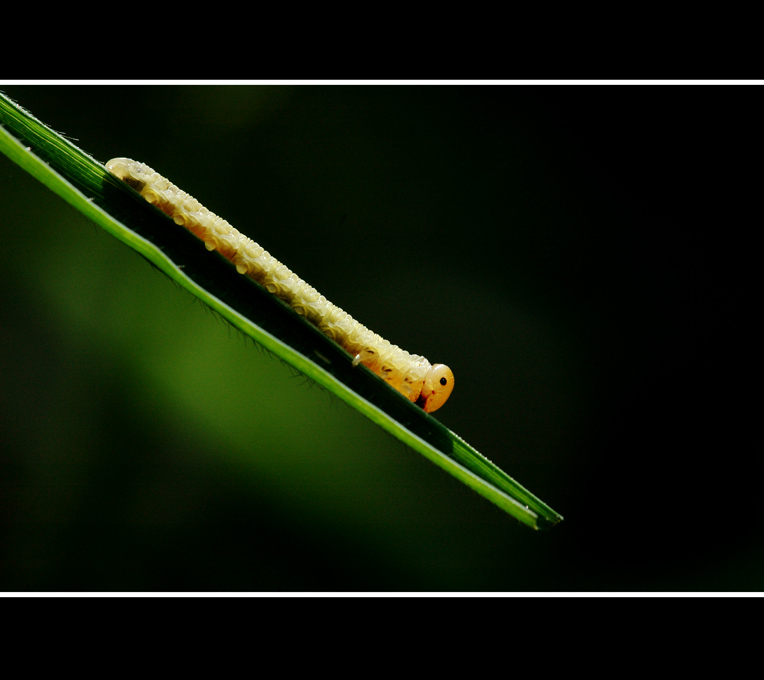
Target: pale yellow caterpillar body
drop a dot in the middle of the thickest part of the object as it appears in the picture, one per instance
(428, 385)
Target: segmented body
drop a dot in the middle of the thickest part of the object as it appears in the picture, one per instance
(412, 375)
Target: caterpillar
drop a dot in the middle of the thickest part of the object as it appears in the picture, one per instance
(427, 385)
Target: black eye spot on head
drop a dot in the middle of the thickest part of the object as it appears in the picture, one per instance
(443, 381)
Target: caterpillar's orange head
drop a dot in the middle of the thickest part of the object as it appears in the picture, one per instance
(436, 388)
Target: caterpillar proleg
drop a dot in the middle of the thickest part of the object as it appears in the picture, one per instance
(428, 385)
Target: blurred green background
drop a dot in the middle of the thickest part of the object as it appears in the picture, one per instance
(580, 256)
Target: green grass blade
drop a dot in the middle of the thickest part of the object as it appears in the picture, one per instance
(85, 184)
